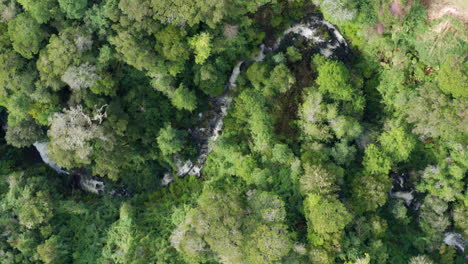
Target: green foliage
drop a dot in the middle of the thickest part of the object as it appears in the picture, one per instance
(32, 206)
(334, 79)
(346, 127)
(201, 43)
(303, 168)
(105, 86)
(193, 12)
(314, 113)
(293, 54)
(220, 225)
(452, 78)
(281, 79)
(434, 219)
(209, 79)
(397, 143)
(26, 35)
(365, 186)
(52, 251)
(375, 161)
(135, 10)
(445, 180)
(343, 154)
(269, 244)
(445, 116)
(440, 40)
(171, 140)
(120, 237)
(73, 9)
(183, 98)
(317, 180)
(56, 57)
(41, 10)
(8, 10)
(136, 52)
(24, 134)
(72, 134)
(326, 220)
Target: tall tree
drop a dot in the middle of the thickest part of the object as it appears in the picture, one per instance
(26, 35)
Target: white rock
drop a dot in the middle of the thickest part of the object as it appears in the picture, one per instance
(42, 149)
(406, 196)
(455, 239)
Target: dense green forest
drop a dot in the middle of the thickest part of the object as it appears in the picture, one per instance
(233, 131)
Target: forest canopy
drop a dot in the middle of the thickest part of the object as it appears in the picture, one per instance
(233, 131)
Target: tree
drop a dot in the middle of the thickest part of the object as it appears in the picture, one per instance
(434, 220)
(399, 211)
(282, 153)
(314, 112)
(29, 200)
(8, 10)
(74, 9)
(120, 237)
(72, 134)
(460, 217)
(57, 57)
(109, 162)
(53, 251)
(317, 180)
(370, 191)
(221, 225)
(345, 127)
(435, 114)
(136, 10)
(41, 10)
(421, 259)
(26, 35)
(216, 224)
(326, 219)
(267, 207)
(397, 144)
(440, 182)
(343, 154)
(172, 44)
(210, 79)
(268, 243)
(201, 43)
(81, 77)
(334, 79)
(280, 81)
(326, 215)
(338, 11)
(170, 140)
(257, 74)
(293, 54)
(105, 86)
(375, 161)
(452, 78)
(183, 98)
(16, 86)
(370, 188)
(24, 134)
(136, 51)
